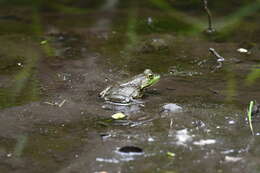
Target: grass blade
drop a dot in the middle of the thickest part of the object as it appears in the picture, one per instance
(249, 115)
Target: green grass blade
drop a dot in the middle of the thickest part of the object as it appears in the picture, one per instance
(249, 115)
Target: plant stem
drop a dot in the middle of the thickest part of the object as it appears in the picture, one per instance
(249, 115)
(210, 28)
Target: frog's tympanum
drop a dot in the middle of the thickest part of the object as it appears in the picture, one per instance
(126, 92)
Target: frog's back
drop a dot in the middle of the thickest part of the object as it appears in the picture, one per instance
(122, 94)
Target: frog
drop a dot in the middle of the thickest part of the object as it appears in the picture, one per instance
(129, 91)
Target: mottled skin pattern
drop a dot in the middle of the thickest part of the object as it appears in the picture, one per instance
(127, 91)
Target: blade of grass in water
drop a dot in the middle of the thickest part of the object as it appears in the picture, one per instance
(249, 115)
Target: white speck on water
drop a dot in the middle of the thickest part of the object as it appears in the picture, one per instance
(231, 122)
(9, 155)
(150, 139)
(149, 20)
(228, 151)
(257, 134)
(242, 50)
(220, 60)
(232, 159)
(183, 136)
(171, 107)
(20, 64)
(208, 130)
(205, 142)
(112, 160)
(218, 127)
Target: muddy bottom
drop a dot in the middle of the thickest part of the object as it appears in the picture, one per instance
(55, 64)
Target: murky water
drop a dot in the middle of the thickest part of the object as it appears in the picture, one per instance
(57, 56)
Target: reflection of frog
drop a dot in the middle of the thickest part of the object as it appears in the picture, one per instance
(153, 45)
(129, 90)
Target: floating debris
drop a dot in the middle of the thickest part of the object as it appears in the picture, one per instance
(231, 122)
(149, 20)
(20, 64)
(243, 50)
(56, 103)
(183, 136)
(9, 155)
(62, 103)
(205, 142)
(112, 160)
(49, 103)
(170, 154)
(232, 159)
(118, 116)
(171, 107)
(105, 135)
(43, 42)
(228, 151)
(171, 123)
(150, 139)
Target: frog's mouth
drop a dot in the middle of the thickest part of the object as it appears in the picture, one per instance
(152, 81)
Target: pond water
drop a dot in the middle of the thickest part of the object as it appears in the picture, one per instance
(56, 57)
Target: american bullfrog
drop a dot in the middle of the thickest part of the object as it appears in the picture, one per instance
(126, 92)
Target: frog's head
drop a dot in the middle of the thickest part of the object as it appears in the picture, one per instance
(150, 79)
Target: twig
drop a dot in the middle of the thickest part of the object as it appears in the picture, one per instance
(49, 103)
(62, 103)
(171, 123)
(219, 60)
(55, 103)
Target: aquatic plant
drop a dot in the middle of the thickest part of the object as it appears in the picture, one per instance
(210, 28)
(249, 115)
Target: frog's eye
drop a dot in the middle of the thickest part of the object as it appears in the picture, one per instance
(150, 76)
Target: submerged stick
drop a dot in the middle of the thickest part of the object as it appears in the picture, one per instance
(210, 28)
(249, 115)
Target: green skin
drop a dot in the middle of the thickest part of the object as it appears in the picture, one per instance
(126, 92)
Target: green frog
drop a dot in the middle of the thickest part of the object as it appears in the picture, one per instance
(127, 92)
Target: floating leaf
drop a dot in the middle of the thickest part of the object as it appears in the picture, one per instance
(43, 42)
(170, 154)
(118, 116)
